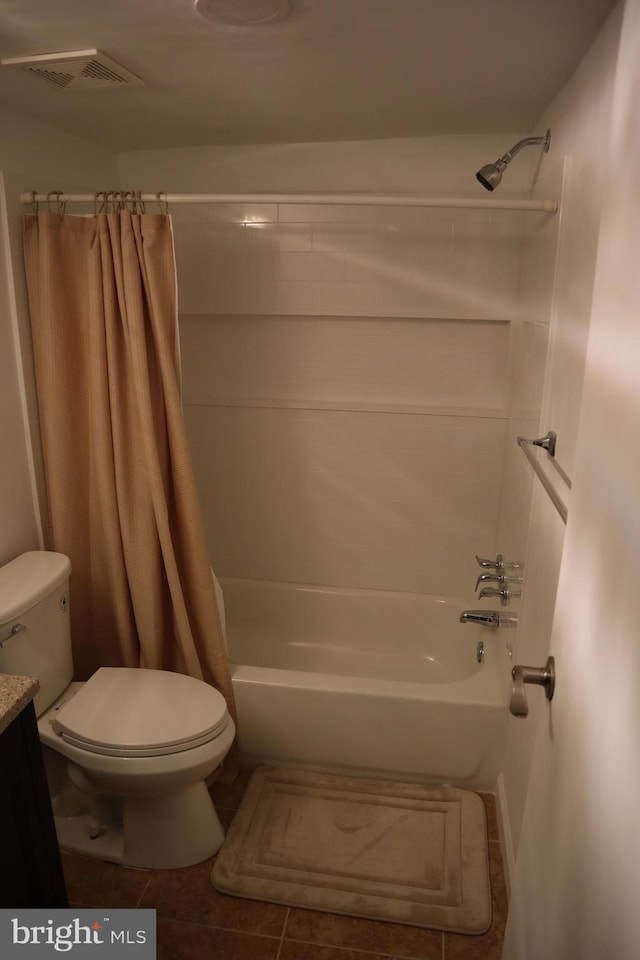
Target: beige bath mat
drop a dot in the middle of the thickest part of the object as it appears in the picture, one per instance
(367, 848)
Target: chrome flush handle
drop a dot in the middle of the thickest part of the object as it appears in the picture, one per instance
(15, 630)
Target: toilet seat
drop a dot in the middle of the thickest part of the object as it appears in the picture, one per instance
(128, 712)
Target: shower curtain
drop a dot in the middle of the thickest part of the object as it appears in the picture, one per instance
(121, 493)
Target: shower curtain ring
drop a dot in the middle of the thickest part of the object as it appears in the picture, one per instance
(60, 206)
(101, 198)
(34, 202)
(162, 199)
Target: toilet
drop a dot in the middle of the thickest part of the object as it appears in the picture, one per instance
(127, 752)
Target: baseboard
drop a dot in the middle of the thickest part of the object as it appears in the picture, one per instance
(504, 829)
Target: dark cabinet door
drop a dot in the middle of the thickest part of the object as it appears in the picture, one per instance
(30, 865)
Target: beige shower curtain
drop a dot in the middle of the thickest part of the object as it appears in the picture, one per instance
(122, 498)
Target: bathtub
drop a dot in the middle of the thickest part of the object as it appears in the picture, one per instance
(365, 682)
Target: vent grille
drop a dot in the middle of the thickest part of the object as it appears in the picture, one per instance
(77, 70)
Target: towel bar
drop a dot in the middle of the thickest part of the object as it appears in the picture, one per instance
(548, 443)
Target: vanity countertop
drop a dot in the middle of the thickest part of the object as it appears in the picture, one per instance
(15, 694)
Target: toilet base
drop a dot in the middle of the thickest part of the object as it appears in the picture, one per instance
(162, 833)
(74, 837)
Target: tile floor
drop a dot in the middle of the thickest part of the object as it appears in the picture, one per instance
(197, 923)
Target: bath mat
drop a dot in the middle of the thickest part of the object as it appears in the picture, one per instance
(390, 851)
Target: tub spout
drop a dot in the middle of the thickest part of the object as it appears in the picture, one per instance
(488, 618)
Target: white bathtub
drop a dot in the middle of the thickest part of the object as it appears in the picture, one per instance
(365, 681)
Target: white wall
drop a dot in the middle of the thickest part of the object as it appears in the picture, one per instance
(580, 120)
(344, 366)
(417, 165)
(33, 156)
(578, 867)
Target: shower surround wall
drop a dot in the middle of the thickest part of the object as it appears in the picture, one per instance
(347, 371)
(345, 386)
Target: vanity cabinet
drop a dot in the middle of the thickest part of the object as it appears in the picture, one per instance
(30, 864)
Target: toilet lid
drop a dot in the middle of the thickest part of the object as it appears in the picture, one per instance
(128, 712)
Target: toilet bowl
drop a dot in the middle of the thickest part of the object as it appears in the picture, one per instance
(137, 746)
(128, 751)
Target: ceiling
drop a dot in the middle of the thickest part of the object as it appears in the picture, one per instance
(332, 70)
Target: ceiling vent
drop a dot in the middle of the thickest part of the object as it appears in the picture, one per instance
(77, 70)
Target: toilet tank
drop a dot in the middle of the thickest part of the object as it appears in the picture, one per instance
(35, 637)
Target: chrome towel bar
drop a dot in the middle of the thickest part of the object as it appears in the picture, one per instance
(548, 443)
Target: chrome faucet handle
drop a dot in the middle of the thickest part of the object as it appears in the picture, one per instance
(543, 676)
(504, 594)
(497, 564)
(488, 578)
(501, 564)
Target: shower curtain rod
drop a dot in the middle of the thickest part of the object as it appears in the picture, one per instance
(351, 199)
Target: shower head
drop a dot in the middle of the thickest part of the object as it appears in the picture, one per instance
(491, 174)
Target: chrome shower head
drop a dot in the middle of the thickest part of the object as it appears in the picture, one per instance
(491, 174)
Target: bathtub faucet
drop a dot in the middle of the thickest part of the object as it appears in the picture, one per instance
(488, 618)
